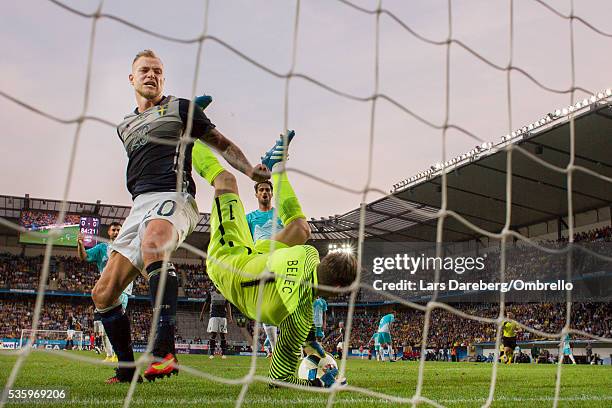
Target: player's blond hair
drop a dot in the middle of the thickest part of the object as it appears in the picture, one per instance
(145, 53)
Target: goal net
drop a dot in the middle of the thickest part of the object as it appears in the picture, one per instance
(50, 339)
(388, 23)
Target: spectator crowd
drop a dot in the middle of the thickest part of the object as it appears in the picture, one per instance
(447, 329)
(69, 274)
(36, 219)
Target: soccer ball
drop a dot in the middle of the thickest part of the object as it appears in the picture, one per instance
(313, 366)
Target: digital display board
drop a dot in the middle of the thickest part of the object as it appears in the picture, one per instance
(42, 223)
(90, 228)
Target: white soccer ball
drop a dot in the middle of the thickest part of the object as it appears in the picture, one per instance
(310, 369)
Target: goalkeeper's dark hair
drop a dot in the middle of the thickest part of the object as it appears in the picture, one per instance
(336, 269)
(114, 224)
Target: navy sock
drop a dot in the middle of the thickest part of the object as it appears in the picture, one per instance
(223, 346)
(212, 345)
(117, 327)
(164, 340)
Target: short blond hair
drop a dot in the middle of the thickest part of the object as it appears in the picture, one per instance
(145, 53)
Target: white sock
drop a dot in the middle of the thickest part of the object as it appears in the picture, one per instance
(108, 346)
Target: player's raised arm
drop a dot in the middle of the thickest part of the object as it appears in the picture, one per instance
(205, 307)
(202, 312)
(81, 248)
(204, 130)
(234, 156)
(228, 307)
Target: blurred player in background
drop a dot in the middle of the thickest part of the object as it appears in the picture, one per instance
(509, 331)
(99, 255)
(376, 342)
(261, 225)
(567, 349)
(163, 213)
(384, 335)
(236, 263)
(71, 323)
(219, 316)
(319, 311)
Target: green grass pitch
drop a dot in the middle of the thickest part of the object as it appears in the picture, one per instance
(450, 384)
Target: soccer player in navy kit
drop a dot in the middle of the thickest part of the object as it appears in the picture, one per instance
(71, 323)
(163, 213)
(220, 314)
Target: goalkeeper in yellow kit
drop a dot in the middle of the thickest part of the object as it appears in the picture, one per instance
(237, 265)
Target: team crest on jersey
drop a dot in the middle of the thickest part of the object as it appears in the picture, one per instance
(140, 138)
(162, 109)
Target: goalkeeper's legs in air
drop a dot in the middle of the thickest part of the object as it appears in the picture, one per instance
(296, 230)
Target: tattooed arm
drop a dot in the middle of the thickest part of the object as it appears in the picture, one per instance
(234, 156)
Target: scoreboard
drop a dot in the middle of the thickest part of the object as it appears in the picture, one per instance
(40, 226)
(90, 228)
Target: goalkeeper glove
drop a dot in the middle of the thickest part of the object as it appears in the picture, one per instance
(203, 101)
(329, 378)
(314, 346)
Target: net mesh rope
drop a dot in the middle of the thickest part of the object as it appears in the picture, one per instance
(373, 99)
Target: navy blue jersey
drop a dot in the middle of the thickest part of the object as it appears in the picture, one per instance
(153, 166)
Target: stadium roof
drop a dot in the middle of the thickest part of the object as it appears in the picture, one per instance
(10, 207)
(476, 187)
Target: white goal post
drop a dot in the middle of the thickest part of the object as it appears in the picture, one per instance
(52, 339)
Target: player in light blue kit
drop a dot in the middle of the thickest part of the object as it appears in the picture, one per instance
(374, 338)
(261, 220)
(384, 335)
(99, 255)
(261, 226)
(567, 349)
(319, 310)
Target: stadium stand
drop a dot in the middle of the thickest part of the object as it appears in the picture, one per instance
(449, 330)
(70, 276)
